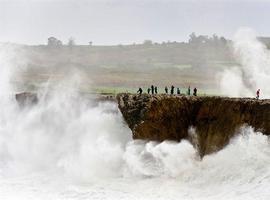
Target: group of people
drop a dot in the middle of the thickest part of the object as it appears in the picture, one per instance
(154, 90)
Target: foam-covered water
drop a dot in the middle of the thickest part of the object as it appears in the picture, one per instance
(67, 148)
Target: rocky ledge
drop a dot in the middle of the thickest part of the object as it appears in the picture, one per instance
(214, 119)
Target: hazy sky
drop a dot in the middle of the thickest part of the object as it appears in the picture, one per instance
(127, 21)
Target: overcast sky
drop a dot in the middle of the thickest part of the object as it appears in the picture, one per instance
(128, 21)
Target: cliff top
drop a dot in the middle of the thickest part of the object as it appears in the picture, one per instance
(215, 119)
(201, 98)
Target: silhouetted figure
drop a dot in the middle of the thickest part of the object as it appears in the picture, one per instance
(178, 91)
(258, 94)
(195, 92)
(172, 89)
(140, 91)
(152, 89)
(155, 89)
(188, 91)
(148, 90)
(166, 89)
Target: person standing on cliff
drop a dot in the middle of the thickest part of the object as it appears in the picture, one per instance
(148, 90)
(140, 91)
(258, 94)
(152, 89)
(155, 89)
(188, 91)
(166, 89)
(195, 92)
(178, 91)
(172, 89)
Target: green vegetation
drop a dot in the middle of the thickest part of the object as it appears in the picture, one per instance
(113, 69)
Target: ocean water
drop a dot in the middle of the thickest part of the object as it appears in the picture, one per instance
(67, 147)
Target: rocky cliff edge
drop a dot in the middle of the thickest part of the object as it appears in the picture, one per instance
(208, 122)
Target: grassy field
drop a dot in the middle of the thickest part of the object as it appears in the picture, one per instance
(116, 90)
(123, 68)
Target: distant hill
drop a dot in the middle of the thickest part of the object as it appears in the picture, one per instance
(195, 62)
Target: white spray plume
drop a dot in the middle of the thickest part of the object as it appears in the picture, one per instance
(254, 70)
(65, 134)
(64, 131)
(6, 55)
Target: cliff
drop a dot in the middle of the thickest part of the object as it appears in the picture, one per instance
(215, 119)
(26, 98)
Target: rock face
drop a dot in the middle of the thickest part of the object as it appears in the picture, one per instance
(26, 98)
(215, 119)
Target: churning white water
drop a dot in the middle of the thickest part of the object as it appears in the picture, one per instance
(67, 147)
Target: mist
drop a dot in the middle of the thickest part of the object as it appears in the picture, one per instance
(76, 56)
(254, 70)
(67, 146)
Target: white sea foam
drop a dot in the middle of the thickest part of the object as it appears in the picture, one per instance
(66, 147)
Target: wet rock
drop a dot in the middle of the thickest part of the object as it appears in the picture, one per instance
(216, 119)
(26, 98)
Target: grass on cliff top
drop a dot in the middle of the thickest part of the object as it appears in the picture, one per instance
(114, 90)
(117, 90)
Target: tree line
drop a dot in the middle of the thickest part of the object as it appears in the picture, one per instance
(193, 40)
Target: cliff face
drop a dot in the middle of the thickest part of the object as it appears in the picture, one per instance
(215, 119)
(26, 98)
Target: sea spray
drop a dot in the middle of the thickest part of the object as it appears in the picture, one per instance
(66, 147)
(139, 170)
(254, 70)
(64, 133)
(152, 159)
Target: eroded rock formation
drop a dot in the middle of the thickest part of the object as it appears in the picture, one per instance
(215, 119)
(26, 98)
